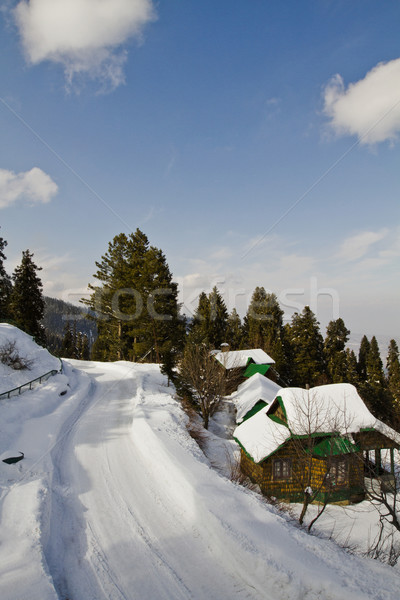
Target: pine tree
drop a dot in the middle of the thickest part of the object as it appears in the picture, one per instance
(256, 315)
(5, 284)
(209, 322)
(334, 349)
(374, 390)
(308, 349)
(362, 358)
(393, 371)
(200, 325)
(68, 342)
(265, 330)
(85, 348)
(351, 368)
(234, 331)
(218, 318)
(26, 302)
(135, 303)
(374, 365)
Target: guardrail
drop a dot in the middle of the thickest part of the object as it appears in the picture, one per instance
(31, 384)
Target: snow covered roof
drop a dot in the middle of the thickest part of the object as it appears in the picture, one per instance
(251, 391)
(239, 358)
(323, 409)
(260, 436)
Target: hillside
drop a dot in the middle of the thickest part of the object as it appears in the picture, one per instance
(114, 500)
(38, 360)
(57, 314)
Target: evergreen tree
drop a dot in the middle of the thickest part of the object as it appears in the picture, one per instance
(68, 343)
(351, 368)
(169, 364)
(199, 327)
(5, 284)
(256, 316)
(374, 391)
(135, 303)
(334, 349)
(265, 330)
(234, 331)
(26, 302)
(374, 365)
(85, 348)
(393, 371)
(218, 319)
(362, 358)
(308, 349)
(209, 322)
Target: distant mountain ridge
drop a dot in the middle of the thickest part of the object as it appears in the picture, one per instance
(57, 314)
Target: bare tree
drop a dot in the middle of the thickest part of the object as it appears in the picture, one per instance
(202, 378)
(10, 356)
(382, 489)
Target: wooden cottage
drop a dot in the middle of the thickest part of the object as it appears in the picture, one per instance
(324, 439)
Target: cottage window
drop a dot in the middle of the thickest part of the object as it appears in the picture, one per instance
(338, 471)
(282, 468)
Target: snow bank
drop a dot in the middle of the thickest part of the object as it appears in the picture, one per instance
(41, 361)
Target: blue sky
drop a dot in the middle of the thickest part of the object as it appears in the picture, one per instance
(255, 142)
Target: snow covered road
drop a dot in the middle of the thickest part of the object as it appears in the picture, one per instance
(122, 505)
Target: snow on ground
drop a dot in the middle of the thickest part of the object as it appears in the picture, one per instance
(40, 360)
(114, 500)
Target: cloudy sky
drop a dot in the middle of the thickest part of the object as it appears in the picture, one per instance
(254, 142)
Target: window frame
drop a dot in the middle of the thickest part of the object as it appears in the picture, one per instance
(338, 469)
(282, 469)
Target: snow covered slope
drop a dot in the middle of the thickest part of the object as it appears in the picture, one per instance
(40, 360)
(115, 501)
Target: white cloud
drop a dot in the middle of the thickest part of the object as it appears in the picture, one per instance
(369, 108)
(84, 36)
(34, 186)
(357, 246)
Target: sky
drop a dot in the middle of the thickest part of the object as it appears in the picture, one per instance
(255, 142)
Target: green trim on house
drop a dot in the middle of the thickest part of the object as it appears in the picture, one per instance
(341, 494)
(256, 408)
(244, 450)
(252, 369)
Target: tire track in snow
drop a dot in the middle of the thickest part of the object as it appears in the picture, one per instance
(62, 530)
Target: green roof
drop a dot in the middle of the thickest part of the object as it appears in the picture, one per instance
(252, 369)
(334, 446)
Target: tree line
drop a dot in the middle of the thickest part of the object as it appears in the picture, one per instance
(303, 357)
(134, 305)
(21, 295)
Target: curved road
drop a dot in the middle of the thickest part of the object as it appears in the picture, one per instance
(136, 512)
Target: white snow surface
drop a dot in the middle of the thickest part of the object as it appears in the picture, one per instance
(322, 409)
(114, 501)
(235, 359)
(41, 360)
(255, 388)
